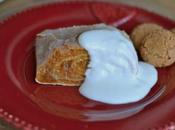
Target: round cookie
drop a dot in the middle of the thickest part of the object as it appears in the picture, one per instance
(158, 48)
(141, 31)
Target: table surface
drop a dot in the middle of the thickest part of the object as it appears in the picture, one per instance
(10, 7)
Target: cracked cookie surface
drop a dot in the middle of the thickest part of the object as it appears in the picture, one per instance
(158, 48)
(141, 31)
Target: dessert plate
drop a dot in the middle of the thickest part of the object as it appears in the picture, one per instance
(28, 105)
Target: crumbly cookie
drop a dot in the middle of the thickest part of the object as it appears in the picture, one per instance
(158, 48)
(141, 31)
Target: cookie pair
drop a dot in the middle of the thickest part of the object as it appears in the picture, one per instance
(155, 44)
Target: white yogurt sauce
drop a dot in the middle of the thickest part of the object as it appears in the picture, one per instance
(114, 74)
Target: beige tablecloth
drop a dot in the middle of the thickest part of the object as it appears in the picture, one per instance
(9, 7)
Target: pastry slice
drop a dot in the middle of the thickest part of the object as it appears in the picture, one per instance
(60, 58)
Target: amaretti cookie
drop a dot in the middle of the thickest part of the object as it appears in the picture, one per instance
(158, 48)
(141, 31)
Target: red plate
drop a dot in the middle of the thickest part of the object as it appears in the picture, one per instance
(31, 106)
